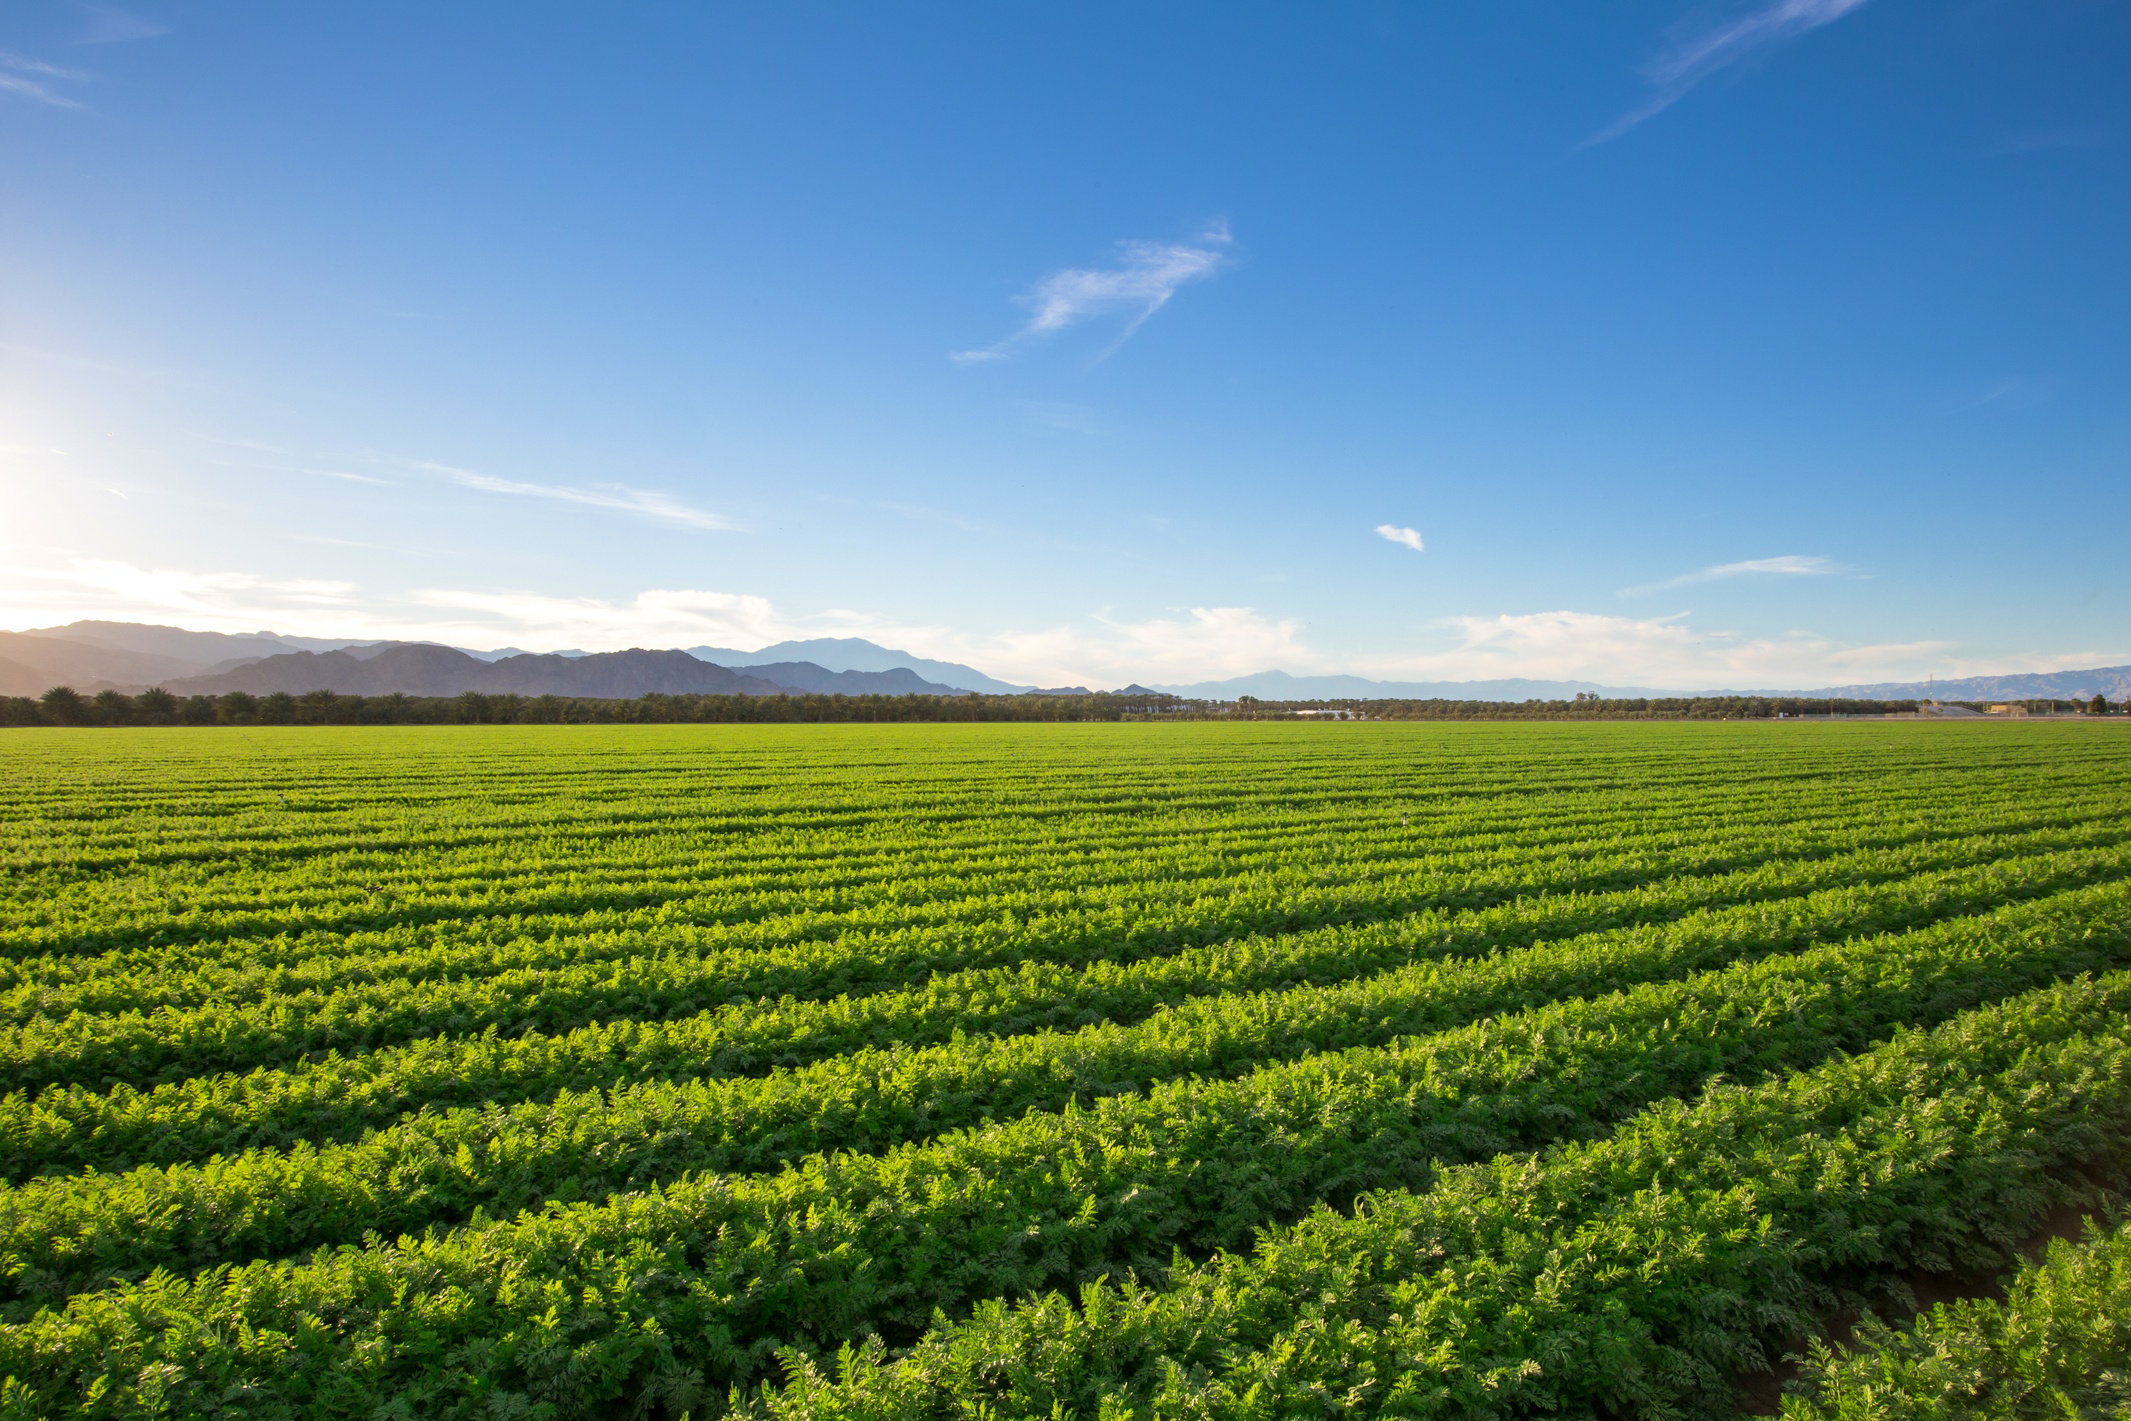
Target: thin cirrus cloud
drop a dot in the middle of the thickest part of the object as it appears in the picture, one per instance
(1145, 276)
(644, 503)
(1404, 537)
(34, 79)
(108, 24)
(1696, 54)
(41, 82)
(1789, 565)
(343, 474)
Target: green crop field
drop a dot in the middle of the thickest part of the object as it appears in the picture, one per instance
(1216, 1070)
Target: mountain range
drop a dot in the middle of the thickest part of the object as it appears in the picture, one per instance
(416, 669)
(129, 656)
(424, 669)
(850, 653)
(93, 656)
(1280, 686)
(2113, 682)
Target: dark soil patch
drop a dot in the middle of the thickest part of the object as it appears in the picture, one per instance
(1759, 1393)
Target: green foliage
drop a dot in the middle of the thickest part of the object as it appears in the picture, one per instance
(1633, 1275)
(1239, 1070)
(2057, 1346)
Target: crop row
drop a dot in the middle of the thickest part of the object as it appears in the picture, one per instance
(333, 1099)
(710, 1276)
(165, 1043)
(661, 819)
(434, 777)
(423, 882)
(796, 908)
(66, 1233)
(1638, 1275)
(2058, 1345)
(117, 929)
(470, 849)
(62, 1234)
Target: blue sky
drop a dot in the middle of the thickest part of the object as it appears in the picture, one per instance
(1770, 344)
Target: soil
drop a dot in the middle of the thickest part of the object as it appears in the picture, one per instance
(1760, 1392)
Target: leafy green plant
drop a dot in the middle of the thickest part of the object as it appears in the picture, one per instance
(2057, 1345)
(1195, 1070)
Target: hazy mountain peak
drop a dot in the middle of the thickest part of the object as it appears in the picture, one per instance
(849, 653)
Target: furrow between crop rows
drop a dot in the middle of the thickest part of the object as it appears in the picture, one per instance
(136, 1047)
(66, 1233)
(335, 1098)
(514, 901)
(806, 911)
(2057, 1345)
(715, 1274)
(1630, 1276)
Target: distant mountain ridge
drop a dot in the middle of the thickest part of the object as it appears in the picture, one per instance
(95, 655)
(424, 669)
(1280, 686)
(819, 680)
(419, 669)
(129, 656)
(850, 653)
(181, 644)
(40, 662)
(2113, 682)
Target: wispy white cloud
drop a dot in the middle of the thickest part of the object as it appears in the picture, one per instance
(23, 64)
(175, 379)
(644, 503)
(1145, 276)
(108, 24)
(1215, 643)
(1789, 565)
(1404, 537)
(922, 513)
(257, 446)
(43, 586)
(342, 474)
(1694, 54)
(2049, 140)
(1058, 415)
(34, 79)
(345, 475)
(1190, 644)
(2021, 392)
(340, 542)
(658, 618)
(1665, 652)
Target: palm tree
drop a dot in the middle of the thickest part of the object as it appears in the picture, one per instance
(314, 707)
(63, 705)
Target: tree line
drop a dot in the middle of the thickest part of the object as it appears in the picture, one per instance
(1584, 706)
(62, 706)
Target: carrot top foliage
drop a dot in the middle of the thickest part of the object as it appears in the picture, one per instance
(1208, 1070)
